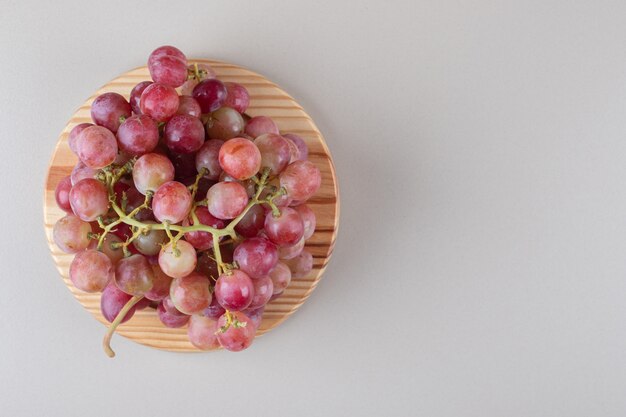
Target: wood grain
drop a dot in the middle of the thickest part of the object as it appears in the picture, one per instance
(266, 99)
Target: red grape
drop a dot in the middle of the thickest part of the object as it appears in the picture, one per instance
(235, 338)
(255, 315)
(62, 194)
(172, 202)
(281, 277)
(300, 144)
(205, 72)
(235, 291)
(261, 125)
(96, 147)
(301, 265)
(190, 294)
(151, 242)
(168, 65)
(237, 97)
(226, 200)
(208, 158)
(225, 123)
(138, 135)
(161, 285)
(169, 319)
(275, 153)
(184, 134)
(71, 234)
(256, 256)
(134, 275)
(189, 106)
(108, 108)
(308, 218)
(91, 271)
(252, 223)
(82, 171)
(73, 136)
(202, 240)
(301, 179)
(112, 301)
(289, 252)
(151, 171)
(286, 229)
(263, 290)
(89, 199)
(210, 94)
(240, 158)
(159, 101)
(201, 333)
(135, 96)
(181, 265)
(214, 310)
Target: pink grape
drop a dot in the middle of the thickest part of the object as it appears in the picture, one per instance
(82, 171)
(225, 123)
(202, 240)
(150, 243)
(71, 234)
(286, 229)
(301, 265)
(281, 277)
(135, 96)
(308, 218)
(172, 202)
(168, 65)
(210, 94)
(256, 256)
(275, 152)
(235, 291)
(226, 200)
(169, 306)
(91, 271)
(235, 339)
(300, 144)
(73, 136)
(151, 171)
(289, 252)
(169, 319)
(159, 101)
(62, 194)
(112, 301)
(134, 275)
(184, 134)
(138, 135)
(301, 179)
(208, 158)
(214, 310)
(181, 265)
(263, 290)
(96, 147)
(161, 285)
(240, 158)
(252, 223)
(190, 294)
(89, 199)
(237, 97)
(255, 315)
(205, 71)
(261, 125)
(189, 106)
(108, 108)
(201, 333)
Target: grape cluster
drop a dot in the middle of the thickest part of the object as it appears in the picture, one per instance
(184, 203)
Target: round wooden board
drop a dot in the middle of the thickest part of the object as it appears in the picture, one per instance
(266, 99)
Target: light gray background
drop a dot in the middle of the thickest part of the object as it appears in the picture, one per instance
(480, 268)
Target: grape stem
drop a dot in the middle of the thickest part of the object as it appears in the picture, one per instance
(106, 342)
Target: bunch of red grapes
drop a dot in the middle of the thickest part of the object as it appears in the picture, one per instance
(184, 203)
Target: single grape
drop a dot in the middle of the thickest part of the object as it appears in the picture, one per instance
(226, 200)
(308, 218)
(114, 254)
(143, 303)
(112, 301)
(160, 285)
(151, 171)
(281, 277)
(301, 179)
(214, 310)
(73, 136)
(159, 101)
(232, 337)
(138, 135)
(300, 144)
(261, 125)
(171, 202)
(62, 194)
(255, 315)
(168, 65)
(184, 164)
(210, 94)
(263, 290)
(184, 134)
(108, 108)
(71, 234)
(290, 252)
(135, 96)
(89, 199)
(190, 294)
(134, 275)
(96, 147)
(252, 223)
(82, 171)
(202, 240)
(150, 243)
(235, 291)
(189, 106)
(256, 256)
(169, 319)
(169, 306)
(237, 97)
(181, 265)
(275, 152)
(201, 332)
(240, 158)
(301, 265)
(208, 158)
(204, 71)
(286, 229)
(225, 123)
(91, 271)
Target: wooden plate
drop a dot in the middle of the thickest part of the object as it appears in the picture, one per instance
(266, 99)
